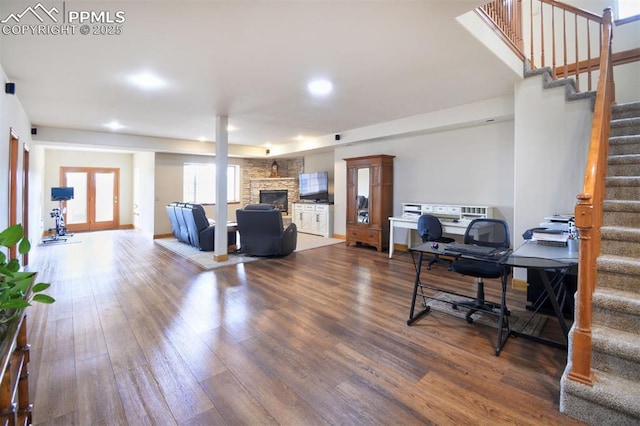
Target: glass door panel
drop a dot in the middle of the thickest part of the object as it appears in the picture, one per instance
(77, 212)
(105, 197)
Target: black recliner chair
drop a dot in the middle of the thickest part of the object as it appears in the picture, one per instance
(201, 232)
(262, 233)
(178, 225)
(190, 225)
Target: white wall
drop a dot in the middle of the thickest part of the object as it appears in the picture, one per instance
(168, 187)
(56, 158)
(472, 165)
(551, 145)
(13, 117)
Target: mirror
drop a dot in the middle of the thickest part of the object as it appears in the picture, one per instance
(363, 195)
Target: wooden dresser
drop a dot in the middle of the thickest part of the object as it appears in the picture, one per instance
(369, 200)
(15, 408)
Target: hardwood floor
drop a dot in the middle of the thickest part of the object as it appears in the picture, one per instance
(139, 336)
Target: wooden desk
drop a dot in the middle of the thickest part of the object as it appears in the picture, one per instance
(454, 218)
(448, 227)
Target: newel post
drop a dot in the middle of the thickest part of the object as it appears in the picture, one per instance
(582, 345)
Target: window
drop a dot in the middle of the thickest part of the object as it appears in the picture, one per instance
(200, 183)
(628, 8)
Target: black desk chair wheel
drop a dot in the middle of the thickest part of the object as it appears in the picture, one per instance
(490, 233)
(430, 229)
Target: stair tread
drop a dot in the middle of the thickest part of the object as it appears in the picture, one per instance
(613, 299)
(626, 344)
(620, 233)
(621, 393)
(622, 122)
(613, 258)
(632, 206)
(624, 159)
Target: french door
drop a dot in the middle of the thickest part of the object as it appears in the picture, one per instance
(95, 203)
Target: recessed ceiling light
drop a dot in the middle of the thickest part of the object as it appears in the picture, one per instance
(114, 125)
(202, 139)
(300, 138)
(320, 87)
(146, 80)
(230, 128)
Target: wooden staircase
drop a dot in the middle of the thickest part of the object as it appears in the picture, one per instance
(614, 397)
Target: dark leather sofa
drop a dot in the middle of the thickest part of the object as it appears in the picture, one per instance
(262, 233)
(190, 225)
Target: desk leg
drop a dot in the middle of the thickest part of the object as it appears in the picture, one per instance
(391, 240)
(553, 298)
(416, 284)
(502, 318)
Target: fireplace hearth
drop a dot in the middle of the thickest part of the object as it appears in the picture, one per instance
(278, 198)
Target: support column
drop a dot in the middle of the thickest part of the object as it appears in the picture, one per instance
(222, 152)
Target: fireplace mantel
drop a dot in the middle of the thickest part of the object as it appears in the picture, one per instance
(275, 179)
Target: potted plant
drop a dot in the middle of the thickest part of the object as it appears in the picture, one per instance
(17, 288)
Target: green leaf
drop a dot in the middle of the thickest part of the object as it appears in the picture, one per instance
(24, 274)
(5, 270)
(24, 246)
(13, 265)
(15, 304)
(43, 298)
(41, 287)
(10, 236)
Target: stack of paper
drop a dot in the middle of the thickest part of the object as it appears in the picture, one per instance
(550, 236)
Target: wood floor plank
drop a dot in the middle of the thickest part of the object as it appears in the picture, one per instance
(87, 330)
(141, 336)
(57, 391)
(124, 350)
(282, 403)
(142, 399)
(235, 403)
(98, 400)
(180, 388)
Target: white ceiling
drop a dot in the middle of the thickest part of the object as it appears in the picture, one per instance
(251, 60)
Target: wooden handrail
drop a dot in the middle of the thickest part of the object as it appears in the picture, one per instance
(550, 23)
(574, 10)
(505, 17)
(589, 211)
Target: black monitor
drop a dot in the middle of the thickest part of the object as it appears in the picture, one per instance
(61, 193)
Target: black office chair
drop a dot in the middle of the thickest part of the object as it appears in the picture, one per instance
(430, 229)
(490, 233)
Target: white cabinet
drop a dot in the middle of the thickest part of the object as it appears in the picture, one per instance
(314, 218)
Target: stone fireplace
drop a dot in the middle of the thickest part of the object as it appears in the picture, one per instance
(277, 198)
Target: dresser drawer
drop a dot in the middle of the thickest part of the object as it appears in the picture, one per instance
(363, 235)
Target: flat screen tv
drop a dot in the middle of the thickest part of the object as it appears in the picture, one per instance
(61, 193)
(314, 186)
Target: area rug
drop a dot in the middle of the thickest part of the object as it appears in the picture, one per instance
(517, 319)
(308, 241)
(205, 259)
